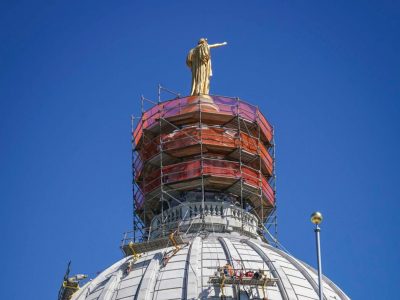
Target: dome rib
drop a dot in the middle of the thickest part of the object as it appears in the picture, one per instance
(302, 270)
(149, 279)
(274, 271)
(110, 286)
(229, 258)
(191, 268)
(327, 281)
(85, 292)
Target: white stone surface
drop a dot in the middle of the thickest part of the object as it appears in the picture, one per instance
(186, 274)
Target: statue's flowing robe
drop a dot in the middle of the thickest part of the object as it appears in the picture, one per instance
(199, 61)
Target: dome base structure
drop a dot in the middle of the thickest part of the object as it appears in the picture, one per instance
(191, 272)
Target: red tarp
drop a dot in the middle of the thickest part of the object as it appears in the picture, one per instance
(211, 167)
(210, 104)
(224, 140)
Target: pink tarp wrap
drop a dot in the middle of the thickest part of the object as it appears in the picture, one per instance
(211, 167)
(180, 140)
(223, 105)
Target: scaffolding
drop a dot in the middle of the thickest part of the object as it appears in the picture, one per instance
(207, 145)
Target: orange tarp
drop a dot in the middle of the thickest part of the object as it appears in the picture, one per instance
(217, 168)
(225, 140)
(210, 104)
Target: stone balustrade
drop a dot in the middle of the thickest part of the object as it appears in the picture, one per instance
(218, 217)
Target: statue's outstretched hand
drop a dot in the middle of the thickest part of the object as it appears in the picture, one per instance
(217, 45)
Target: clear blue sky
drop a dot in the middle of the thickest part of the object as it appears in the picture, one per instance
(325, 73)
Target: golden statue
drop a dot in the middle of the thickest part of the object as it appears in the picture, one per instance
(199, 61)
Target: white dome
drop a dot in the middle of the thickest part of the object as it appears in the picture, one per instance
(186, 275)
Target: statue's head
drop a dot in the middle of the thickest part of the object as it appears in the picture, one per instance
(202, 41)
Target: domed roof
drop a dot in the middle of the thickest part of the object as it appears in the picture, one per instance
(186, 273)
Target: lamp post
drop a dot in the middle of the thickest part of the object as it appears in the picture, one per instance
(316, 218)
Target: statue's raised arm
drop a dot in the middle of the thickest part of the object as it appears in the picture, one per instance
(217, 45)
(199, 61)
